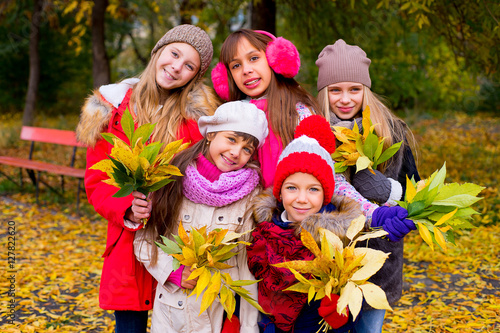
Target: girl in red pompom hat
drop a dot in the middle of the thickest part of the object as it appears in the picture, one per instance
(302, 198)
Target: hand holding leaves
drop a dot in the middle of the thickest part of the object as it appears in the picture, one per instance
(340, 270)
(137, 166)
(206, 253)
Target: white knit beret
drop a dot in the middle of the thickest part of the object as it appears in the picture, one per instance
(238, 116)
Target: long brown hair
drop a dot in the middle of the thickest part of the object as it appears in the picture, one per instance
(282, 95)
(167, 201)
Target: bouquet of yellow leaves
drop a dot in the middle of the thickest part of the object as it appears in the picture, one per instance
(339, 270)
(206, 253)
(137, 166)
(365, 151)
(438, 208)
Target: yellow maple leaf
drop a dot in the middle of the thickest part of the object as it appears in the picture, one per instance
(104, 166)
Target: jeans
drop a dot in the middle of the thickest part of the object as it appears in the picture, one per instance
(371, 321)
(131, 321)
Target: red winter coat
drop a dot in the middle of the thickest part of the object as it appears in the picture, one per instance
(125, 283)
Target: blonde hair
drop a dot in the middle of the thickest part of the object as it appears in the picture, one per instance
(393, 128)
(147, 97)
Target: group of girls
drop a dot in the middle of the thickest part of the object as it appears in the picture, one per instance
(242, 141)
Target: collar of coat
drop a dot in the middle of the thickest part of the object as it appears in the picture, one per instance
(98, 108)
(338, 221)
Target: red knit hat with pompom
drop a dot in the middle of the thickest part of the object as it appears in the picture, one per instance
(309, 153)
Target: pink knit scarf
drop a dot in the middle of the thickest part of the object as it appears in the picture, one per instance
(230, 187)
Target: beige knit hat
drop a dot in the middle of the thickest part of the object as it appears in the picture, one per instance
(341, 62)
(192, 35)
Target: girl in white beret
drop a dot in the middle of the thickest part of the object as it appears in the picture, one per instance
(220, 178)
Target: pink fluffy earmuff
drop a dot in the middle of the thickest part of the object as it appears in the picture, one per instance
(282, 56)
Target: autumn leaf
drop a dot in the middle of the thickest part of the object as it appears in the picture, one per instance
(365, 151)
(206, 252)
(337, 269)
(431, 203)
(136, 166)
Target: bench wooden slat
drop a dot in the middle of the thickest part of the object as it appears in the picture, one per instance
(42, 166)
(50, 135)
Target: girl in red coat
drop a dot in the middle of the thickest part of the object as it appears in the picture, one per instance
(169, 92)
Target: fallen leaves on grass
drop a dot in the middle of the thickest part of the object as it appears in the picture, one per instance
(458, 291)
(59, 257)
(57, 270)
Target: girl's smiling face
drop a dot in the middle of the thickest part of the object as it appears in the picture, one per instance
(228, 151)
(346, 99)
(177, 65)
(302, 195)
(250, 71)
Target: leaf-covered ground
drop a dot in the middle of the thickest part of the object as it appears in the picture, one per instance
(58, 253)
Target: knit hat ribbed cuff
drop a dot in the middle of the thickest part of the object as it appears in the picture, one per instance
(192, 35)
(304, 154)
(341, 62)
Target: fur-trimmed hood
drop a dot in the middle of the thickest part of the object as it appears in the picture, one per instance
(337, 221)
(98, 107)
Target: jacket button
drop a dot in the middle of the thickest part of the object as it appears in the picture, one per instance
(221, 218)
(117, 122)
(180, 303)
(160, 296)
(147, 302)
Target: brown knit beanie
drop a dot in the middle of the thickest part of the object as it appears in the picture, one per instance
(341, 62)
(192, 35)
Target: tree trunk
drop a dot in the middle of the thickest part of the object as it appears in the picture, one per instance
(100, 61)
(263, 15)
(34, 76)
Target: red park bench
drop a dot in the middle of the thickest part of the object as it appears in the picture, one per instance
(47, 135)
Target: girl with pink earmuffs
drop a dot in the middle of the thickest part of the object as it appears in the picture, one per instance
(258, 67)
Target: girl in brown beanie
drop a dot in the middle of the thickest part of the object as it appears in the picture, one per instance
(344, 92)
(169, 92)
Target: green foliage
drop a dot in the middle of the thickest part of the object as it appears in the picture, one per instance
(412, 68)
(471, 28)
(64, 76)
(418, 62)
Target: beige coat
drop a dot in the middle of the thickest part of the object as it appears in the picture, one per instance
(173, 310)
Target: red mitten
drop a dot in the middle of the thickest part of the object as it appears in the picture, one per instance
(328, 310)
(231, 326)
